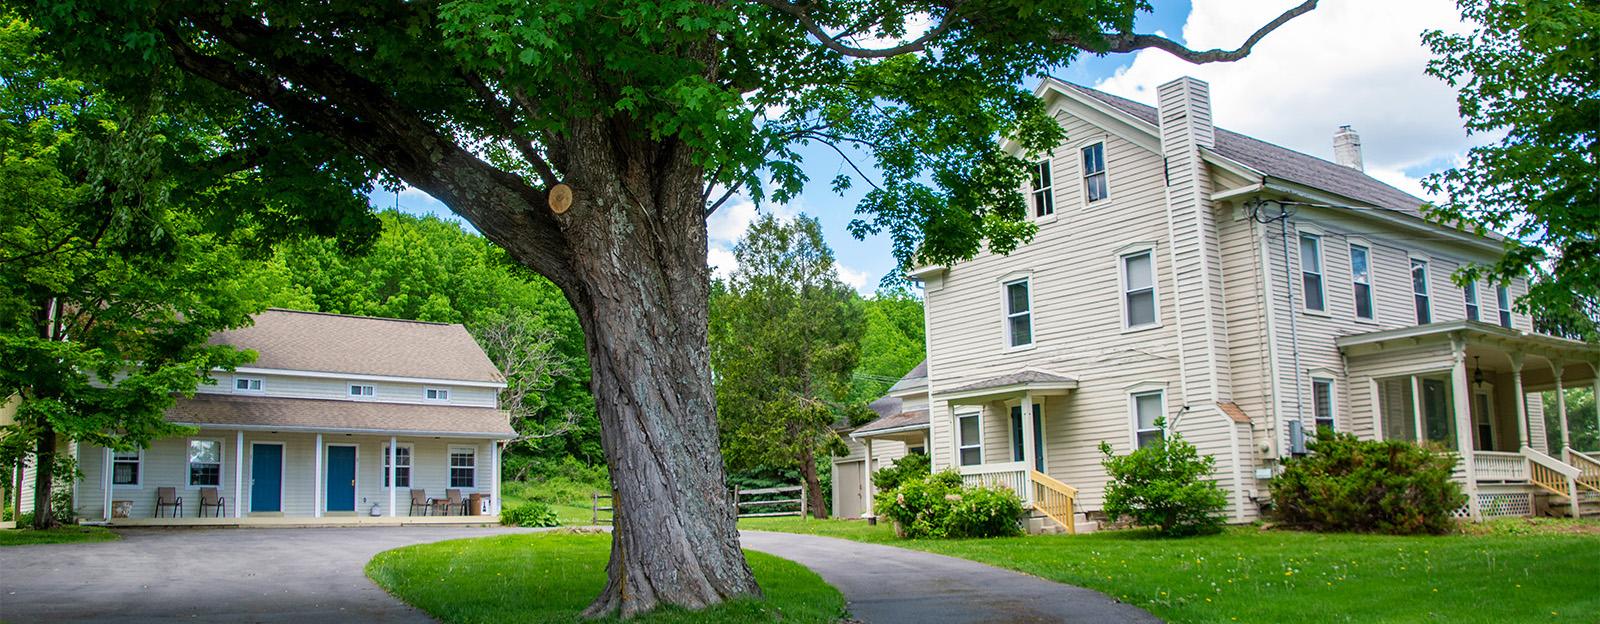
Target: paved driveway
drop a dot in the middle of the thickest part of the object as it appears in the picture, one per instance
(305, 576)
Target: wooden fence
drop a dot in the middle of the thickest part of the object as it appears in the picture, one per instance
(742, 500)
(596, 509)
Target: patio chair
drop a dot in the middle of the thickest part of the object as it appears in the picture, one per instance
(211, 498)
(168, 497)
(419, 500)
(451, 501)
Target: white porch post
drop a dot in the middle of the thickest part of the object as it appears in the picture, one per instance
(1522, 400)
(238, 474)
(1560, 368)
(392, 443)
(316, 475)
(1028, 459)
(494, 467)
(108, 483)
(866, 483)
(1462, 400)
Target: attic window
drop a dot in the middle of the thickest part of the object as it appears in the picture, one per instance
(436, 394)
(246, 384)
(1094, 173)
(362, 390)
(1044, 197)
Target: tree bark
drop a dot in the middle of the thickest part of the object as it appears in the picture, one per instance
(808, 472)
(44, 453)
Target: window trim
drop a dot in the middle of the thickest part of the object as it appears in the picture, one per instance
(1122, 286)
(1134, 429)
(1321, 273)
(1471, 302)
(1048, 190)
(361, 396)
(1006, 314)
(138, 461)
(1372, 296)
(1421, 302)
(451, 468)
(188, 463)
(261, 385)
(410, 465)
(1333, 402)
(978, 445)
(441, 395)
(1502, 301)
(1105, 171)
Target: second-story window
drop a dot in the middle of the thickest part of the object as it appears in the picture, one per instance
(1361, 277)
(1094, 173)
(436, 394)
(1502, 296)
(1470, 293)
(1019, 313)
(1311, 271)
(1419, 291)
(1138, 290)
(1044, 195)
(246, 384)
(362, 391)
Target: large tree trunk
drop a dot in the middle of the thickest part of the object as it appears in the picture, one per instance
(44, 453)
(641, 292)
(808, 473)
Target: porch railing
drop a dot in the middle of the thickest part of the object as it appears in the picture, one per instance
(1054, 499)
(1496, 466)
(1013, 475)
(1588, 469)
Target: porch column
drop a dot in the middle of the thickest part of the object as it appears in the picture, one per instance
(866, 483)
(1028, 459)
(392, 443)
(494, 467)
(1522, 401)
(1595, 367)
(316, 475)
(1462, 400)
(238, 474)
(1561, 404)
(108, 482)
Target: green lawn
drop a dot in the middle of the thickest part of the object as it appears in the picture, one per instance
(58, 535)
(1248, 575)
(551, 577)
(570, 501)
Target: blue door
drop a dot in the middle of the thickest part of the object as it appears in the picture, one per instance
(341, 485)
(266, 477)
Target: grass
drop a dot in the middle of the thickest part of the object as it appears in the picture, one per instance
(551, 577)
(58, 535)
(570, 499)
(1509, 572)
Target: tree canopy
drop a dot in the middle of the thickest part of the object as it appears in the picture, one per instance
(1530, 72)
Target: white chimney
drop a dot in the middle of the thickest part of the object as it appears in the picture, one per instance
(1347, 148)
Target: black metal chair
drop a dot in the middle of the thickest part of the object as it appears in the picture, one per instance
(168, 497)
(211, 498)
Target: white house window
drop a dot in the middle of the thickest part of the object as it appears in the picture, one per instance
(205, 463)
(126, 467)
(436, 394)
(1419, 291)
(246, 384)
(1044, 196)
(1147, 409)
(1311, 271)
(1019, 313)
(1138, 289)
(971, 442)
(1094, 172)
(1322, 402)
(1502, 297)
(1470, 293)
(402, 465)
(463, 467)
(1361, 277)
(362, 390)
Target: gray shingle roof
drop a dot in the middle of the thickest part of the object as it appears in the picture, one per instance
(1026, 376)
(916, 379)
(901, 420)
(334, 343)
(1281, 162)
(345, 416)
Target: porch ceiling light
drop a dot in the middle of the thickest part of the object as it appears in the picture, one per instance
(1477, 372)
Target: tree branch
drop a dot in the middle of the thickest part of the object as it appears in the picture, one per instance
(802, 14)
(1129, 42)
(508, 125)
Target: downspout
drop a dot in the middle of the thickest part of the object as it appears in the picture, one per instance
(1294, 333)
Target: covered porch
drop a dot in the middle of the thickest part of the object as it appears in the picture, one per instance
(1012, 406)
(1463, 387)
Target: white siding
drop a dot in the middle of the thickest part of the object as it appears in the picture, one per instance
(302, 387)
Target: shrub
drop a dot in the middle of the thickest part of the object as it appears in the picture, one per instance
(1165, 485)
(939, 506)
(912, 466)
(530, 514)
(1348, 484)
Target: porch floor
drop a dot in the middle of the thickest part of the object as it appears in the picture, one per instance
(303, 521)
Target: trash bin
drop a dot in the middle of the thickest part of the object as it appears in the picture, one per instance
(476, 505)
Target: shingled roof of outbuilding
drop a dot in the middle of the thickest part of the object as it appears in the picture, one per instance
(362, 345)
(209, 410)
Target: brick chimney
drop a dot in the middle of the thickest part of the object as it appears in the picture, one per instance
(1347, 148)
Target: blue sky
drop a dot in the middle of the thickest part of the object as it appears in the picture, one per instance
(1356, 61)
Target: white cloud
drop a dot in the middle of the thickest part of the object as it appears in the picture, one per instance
(858, 280)
(1356, 62)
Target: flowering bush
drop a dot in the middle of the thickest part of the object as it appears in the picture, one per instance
(1349, 484)
(940, 506)
(1165, 485)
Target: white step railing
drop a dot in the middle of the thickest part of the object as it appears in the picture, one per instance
(1553, 475)
(1588, 469)
(1013, 475)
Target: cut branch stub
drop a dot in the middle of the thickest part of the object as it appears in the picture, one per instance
(560, 198)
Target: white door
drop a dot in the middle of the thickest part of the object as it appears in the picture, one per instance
(848, 500)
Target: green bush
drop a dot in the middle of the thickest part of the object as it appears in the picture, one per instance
(529, 514)
(939, 506)
(912, 466)
(1367, 486)
(1165, 485)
